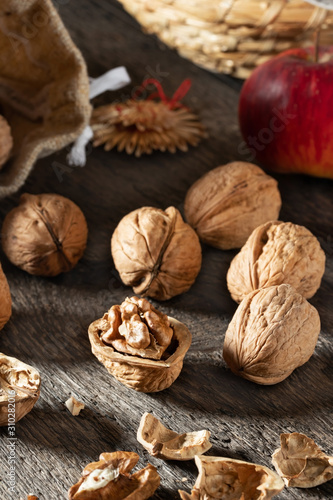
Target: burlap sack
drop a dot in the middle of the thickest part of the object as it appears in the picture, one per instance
(44, 87)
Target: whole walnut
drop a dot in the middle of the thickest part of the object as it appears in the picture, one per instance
(156, 252)
(274, 330)
(6, 141)
(5, 300)
(45, 235)
(227, 203)
(275, 253)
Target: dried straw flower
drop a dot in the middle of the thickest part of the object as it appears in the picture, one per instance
(142, 126)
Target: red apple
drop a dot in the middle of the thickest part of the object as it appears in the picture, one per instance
(286, 113)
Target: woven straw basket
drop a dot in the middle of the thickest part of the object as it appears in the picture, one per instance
(232, 36)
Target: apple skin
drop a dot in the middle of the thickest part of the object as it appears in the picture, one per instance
(286, 113)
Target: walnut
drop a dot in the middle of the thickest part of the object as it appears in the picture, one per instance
(19, 389)
(45, 235)
(163, 443)
(136, 327)
(232, 479)
(143, 348)
(74, 406)
(301, 463)
(110, 478)
(6, 141)
(227, 203)
(156, 252)
(274, 330)
(275, 253)
(5, 300)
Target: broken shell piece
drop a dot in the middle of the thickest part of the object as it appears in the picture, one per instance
(19, 389)
(300, 462)
(163, 443)
(74, 406)
(232, 480)
(138, 372)
(110, 478)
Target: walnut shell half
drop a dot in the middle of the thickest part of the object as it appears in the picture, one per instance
(6, 141)
(275, 253)
(142, 374)
(45, 235)
(273, 331)
(301, 463)
(228, 203)
(19, 389)
(232, 479)
(5, 300)
(156, 252)
(163, 443)
(110, 478)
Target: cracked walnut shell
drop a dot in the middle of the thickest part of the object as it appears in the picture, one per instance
(6, 141)
(301, 463)
(273, 331)
(163, 443)
(275, 253)
(5, 300)
(232, 479)
(110, 478)
(156, 252)
(229, 202)
(19, 389)
(45, 235)
(143, 348)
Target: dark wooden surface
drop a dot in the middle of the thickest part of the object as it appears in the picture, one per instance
(48, 328)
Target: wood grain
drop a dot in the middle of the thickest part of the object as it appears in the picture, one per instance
(50, 318)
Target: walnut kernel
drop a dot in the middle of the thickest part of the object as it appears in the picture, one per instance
(142, 347)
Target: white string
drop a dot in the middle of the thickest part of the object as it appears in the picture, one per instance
(112, 80)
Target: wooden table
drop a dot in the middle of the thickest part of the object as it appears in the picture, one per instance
(48, 328)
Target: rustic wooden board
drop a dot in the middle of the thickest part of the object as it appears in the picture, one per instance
(50, 317)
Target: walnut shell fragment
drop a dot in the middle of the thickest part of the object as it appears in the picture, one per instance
(273, 331)
(110, 478)
(229, 202)
(163, 443)
(275, 253)
(74, 406)
(156, 252)
(19, 389)
(45, 235)
(6, 141)
(5, 300)
(139, 367)
(232, 480)
(300, 462)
